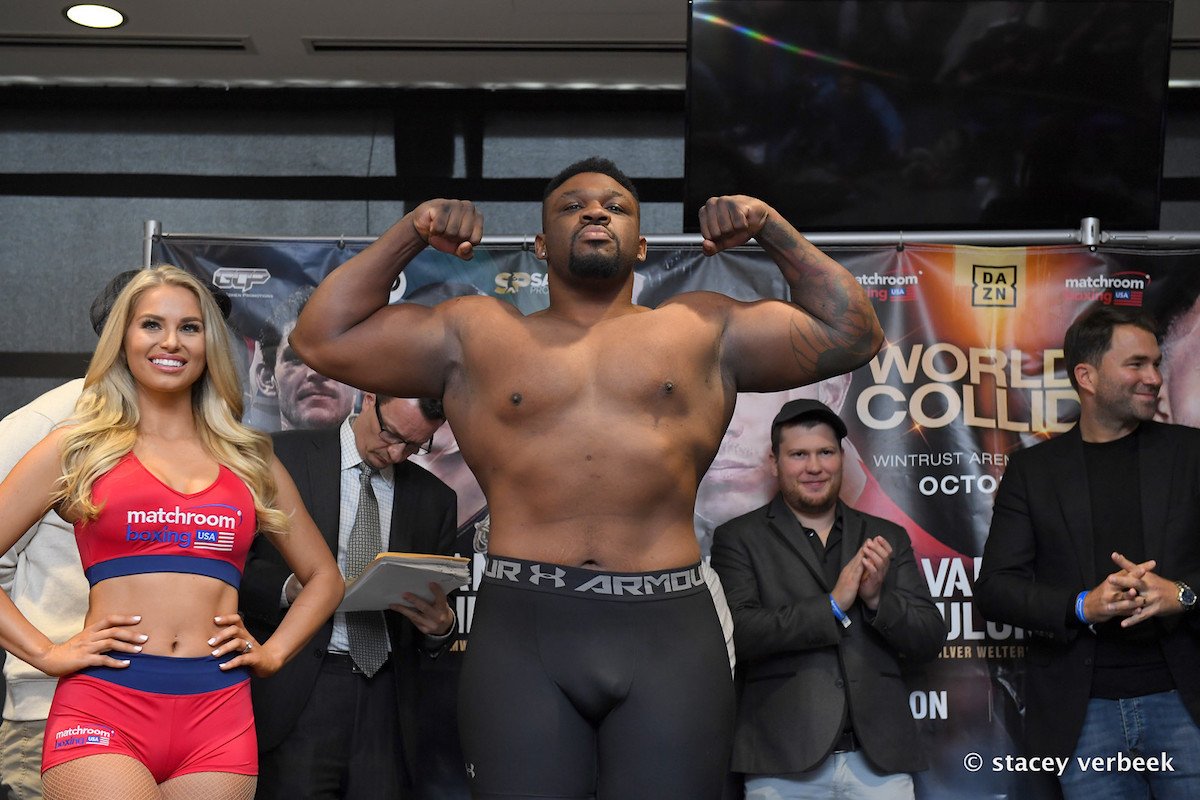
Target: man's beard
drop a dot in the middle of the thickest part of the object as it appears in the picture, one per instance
(807, 504)
(1122, 406)
(594, 265)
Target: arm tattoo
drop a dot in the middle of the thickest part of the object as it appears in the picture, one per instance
(841, 334)
(777, 235)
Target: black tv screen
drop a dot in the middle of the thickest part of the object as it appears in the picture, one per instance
(927, 114)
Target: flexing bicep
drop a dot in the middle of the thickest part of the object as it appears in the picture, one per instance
(771, 345)
(25, 494)
(405, 350)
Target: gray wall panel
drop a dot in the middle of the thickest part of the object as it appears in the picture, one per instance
(1181, 148)
(519, 219)
(200, 142)
(56, 253)
(522, 146)
(1179, 217)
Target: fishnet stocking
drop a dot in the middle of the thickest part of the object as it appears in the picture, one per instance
(108, 775)
(209, 786)
(120, 777)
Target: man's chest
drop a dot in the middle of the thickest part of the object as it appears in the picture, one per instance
(539, 367)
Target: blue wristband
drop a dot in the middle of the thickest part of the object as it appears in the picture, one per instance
(1079, 598)
(837, 612)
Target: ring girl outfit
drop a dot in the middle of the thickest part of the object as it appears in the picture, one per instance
(174, 715)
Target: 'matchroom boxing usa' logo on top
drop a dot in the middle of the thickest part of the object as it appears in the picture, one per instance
(1119, 289)
(889, 288)
(206, 527)
(83, 734)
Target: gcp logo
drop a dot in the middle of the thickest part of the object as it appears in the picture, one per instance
(241, 278)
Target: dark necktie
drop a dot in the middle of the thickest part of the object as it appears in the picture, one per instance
(366, 630)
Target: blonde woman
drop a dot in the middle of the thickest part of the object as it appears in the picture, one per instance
(165, 489)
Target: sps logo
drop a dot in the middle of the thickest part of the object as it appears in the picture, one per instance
(241, 278)
(513, 282)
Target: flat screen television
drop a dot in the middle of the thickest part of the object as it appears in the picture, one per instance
(930, 114)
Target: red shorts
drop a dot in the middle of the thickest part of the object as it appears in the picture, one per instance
(175, 715)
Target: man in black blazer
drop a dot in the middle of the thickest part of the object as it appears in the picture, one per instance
(1094, 547)
(326, 728)
(827, 602)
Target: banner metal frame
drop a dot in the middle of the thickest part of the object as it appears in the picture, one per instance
(1089, 233)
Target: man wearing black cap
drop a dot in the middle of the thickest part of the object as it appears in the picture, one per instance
(825, 600)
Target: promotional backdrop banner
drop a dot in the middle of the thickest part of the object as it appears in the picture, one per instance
(971, 370)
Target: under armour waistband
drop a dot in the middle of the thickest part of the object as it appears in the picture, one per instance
(170, 675)
(580, 582)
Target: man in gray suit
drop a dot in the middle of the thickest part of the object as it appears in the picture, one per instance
(825, 601)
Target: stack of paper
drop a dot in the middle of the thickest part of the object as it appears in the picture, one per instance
(390, 576)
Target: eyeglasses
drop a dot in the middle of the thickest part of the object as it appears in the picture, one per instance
(391, 437)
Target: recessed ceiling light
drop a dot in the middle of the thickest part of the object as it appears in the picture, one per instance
(93, 16)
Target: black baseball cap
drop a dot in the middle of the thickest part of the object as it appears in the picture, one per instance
(799, 410)
(103, 302)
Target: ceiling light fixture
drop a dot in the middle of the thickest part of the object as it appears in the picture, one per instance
(93, 16)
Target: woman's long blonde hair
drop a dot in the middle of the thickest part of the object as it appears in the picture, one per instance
(106, 416)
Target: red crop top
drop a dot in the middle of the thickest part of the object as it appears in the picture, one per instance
(146, 526)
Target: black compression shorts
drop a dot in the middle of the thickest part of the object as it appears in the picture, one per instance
(582, 684)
